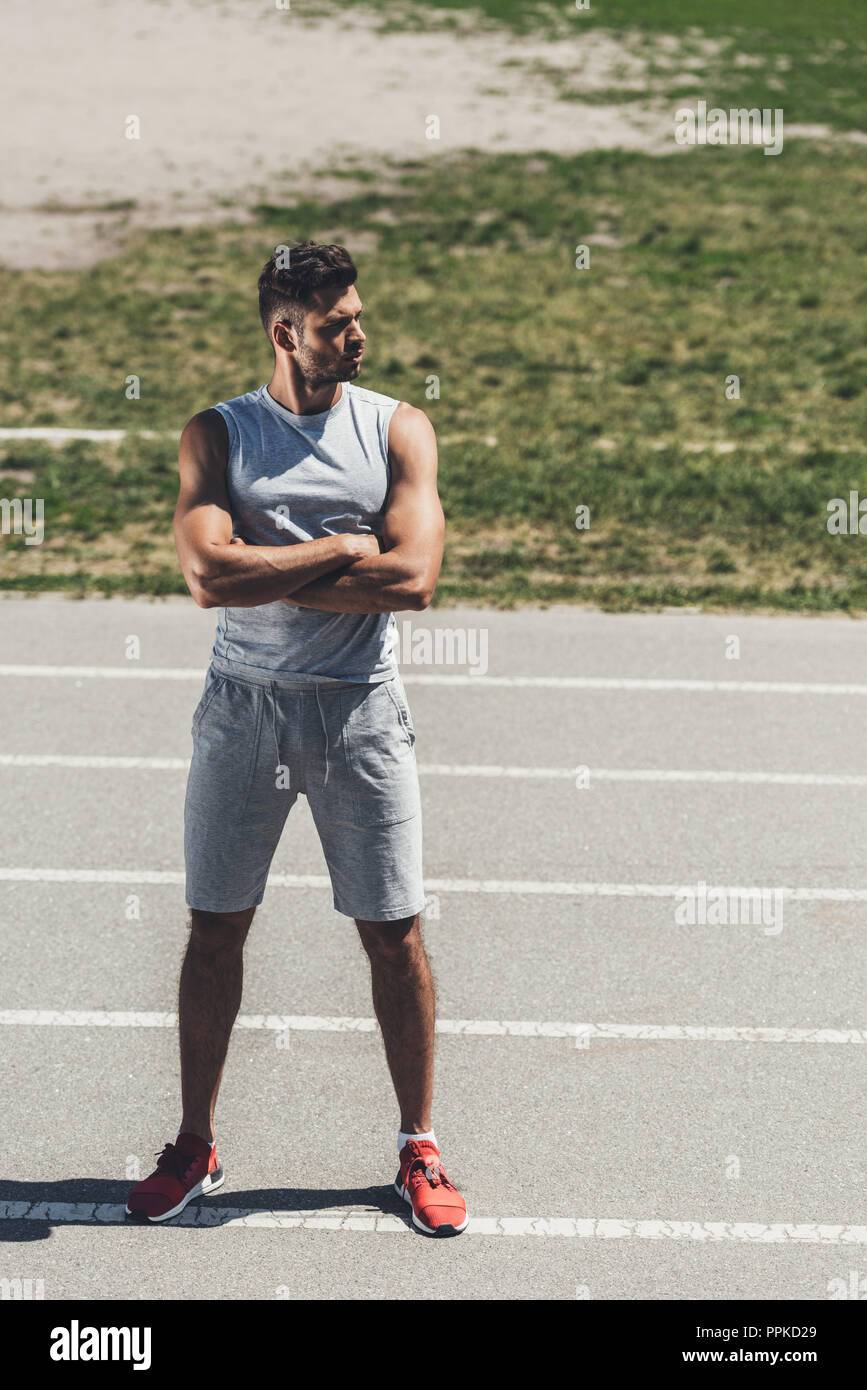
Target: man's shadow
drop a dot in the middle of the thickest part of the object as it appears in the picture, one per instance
(28, 1210)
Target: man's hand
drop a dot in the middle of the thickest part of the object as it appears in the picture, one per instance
(404, 574)
(356, 546)
(361, 546)
(214, 567)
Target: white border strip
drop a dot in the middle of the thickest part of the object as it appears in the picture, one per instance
(640, 683)
(94, 760)
(57, 435)
(640, 774)
(444, 885)
(131, 672)
(363, 1219)
(455, 1027)
(50, 434)
(482, 770)
(192, 673)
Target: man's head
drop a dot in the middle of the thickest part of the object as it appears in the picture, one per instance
(310, 309)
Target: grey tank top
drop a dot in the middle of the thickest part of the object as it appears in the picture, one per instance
(294, 478)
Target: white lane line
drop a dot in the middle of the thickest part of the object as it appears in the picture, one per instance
(482, 770)
(49, 434)
(455, 1027)
(191, 673)
(94, 760)
(642, 683)
(624, 890)
(363, 1219)
(55, 435)
(131, 672)
(448, 885)
(642, 774)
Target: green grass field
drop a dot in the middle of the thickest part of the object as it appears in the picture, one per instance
(806, 56)
(558, 387)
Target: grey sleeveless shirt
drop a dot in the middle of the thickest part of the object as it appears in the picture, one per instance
(294, 478)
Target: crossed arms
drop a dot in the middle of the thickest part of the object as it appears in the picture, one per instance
(336, 574)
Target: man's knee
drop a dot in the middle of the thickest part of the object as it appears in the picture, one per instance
(219, 931)
(391, 940)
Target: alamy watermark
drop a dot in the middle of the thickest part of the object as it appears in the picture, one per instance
(847, 518)
(854, 1286)
(77, 1343)
(437, 646)
(723, 907)
(18, 1290)
(17, 518)
(738, 126)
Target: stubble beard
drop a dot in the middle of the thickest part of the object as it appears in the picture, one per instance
(320, 371)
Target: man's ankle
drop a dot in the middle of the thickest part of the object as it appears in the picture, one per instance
(202, 1129)
(405, 1135)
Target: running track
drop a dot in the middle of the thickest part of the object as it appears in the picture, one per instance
(633, 1107)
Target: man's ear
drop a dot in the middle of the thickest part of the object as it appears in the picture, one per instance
(284, 336)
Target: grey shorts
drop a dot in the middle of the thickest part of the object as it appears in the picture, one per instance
(348, 748)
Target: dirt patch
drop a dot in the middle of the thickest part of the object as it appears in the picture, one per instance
(233, 106)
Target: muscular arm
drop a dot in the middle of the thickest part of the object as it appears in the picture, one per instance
(218, 572)
(405, 575)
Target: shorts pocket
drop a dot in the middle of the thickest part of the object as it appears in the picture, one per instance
(380, 762)
(399, 700)
(213, 683)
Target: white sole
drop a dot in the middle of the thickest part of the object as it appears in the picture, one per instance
(428, 1230)
(210, 1182)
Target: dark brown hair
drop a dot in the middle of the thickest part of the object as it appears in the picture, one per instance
(285, 291)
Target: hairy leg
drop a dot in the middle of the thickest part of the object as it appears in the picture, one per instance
(405, 1004)
(211, 981)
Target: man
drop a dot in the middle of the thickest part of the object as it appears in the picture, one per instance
(308, 513)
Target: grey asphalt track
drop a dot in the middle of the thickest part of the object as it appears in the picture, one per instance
(755, 1142)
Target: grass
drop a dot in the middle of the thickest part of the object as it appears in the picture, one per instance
(803, 56)
(593, 383)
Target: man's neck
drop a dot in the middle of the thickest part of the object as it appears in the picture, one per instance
(300, 399)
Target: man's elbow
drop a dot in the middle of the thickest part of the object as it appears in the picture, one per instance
(198, 583)
(419, 595)
(201, 596)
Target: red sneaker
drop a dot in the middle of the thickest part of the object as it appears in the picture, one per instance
(186, 1169)
(438, 1208)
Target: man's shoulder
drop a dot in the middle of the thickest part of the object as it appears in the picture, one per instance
(401, 418)
(218, 421)
(250, 399)
(365, 397)
(409, 424)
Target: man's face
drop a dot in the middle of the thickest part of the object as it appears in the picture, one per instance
(331, 344)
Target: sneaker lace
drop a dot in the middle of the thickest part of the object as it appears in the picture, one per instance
(427, 1165)
(174, 1161)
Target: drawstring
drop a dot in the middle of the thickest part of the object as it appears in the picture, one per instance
(271, 689)
(325, 731)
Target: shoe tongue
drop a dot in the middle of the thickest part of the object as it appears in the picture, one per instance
(424, 1148)
(189, 1143)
